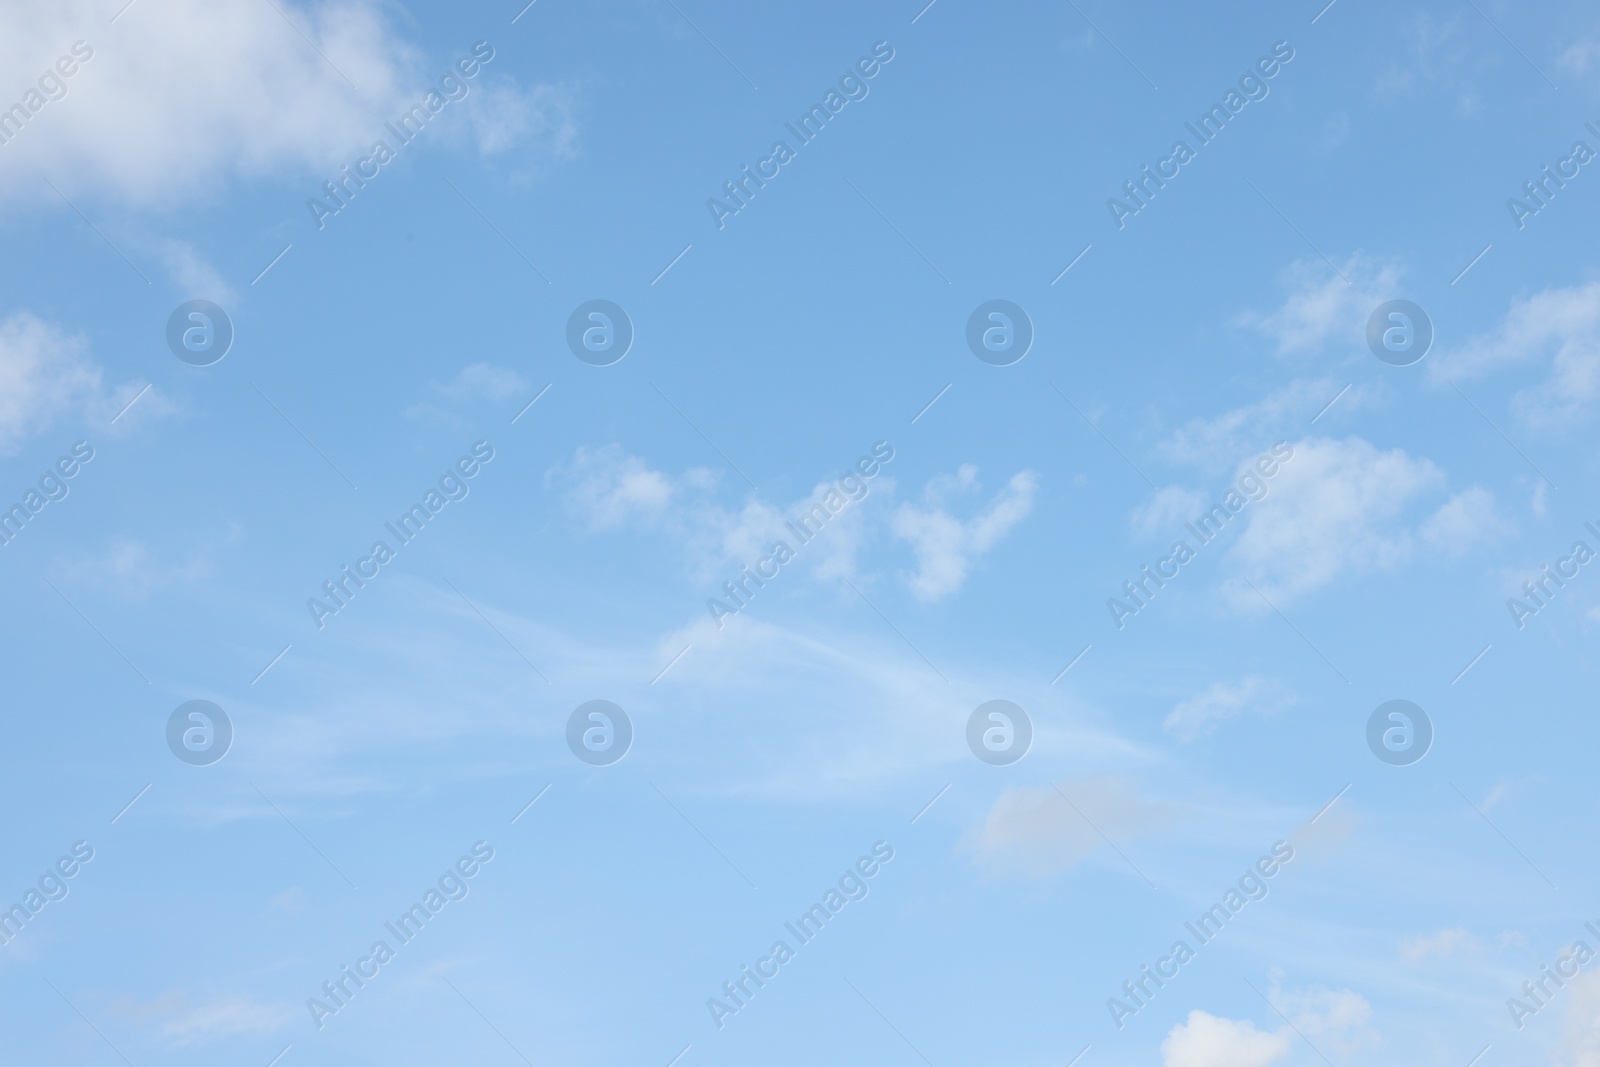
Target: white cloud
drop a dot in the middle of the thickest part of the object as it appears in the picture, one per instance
(193, 275)
(1580, 1024)
(1171, 506)
(1556, 328)
(474, 382)
(1040, 831)
(1199, 716)
(504, 116)
(946, 546)
(1223, 442)
(610, 487)
(1324, 308)
(1209, 1041)
(1338, 507)
(184, 1024)
(46, 377)
(1335, 1018)
(1441, 944)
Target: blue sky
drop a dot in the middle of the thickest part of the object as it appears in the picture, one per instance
(584, 516)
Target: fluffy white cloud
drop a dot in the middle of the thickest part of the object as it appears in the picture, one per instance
(945, 546)
(1340, 506)
(609, 487)
(1199, 716)
(1209, 1041)
(1580, 1024)
(474, 382)
(1323, 307)
(1221, 443)
(1557, 329)
(1041, 830)
(46, 377)
(182, 95)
